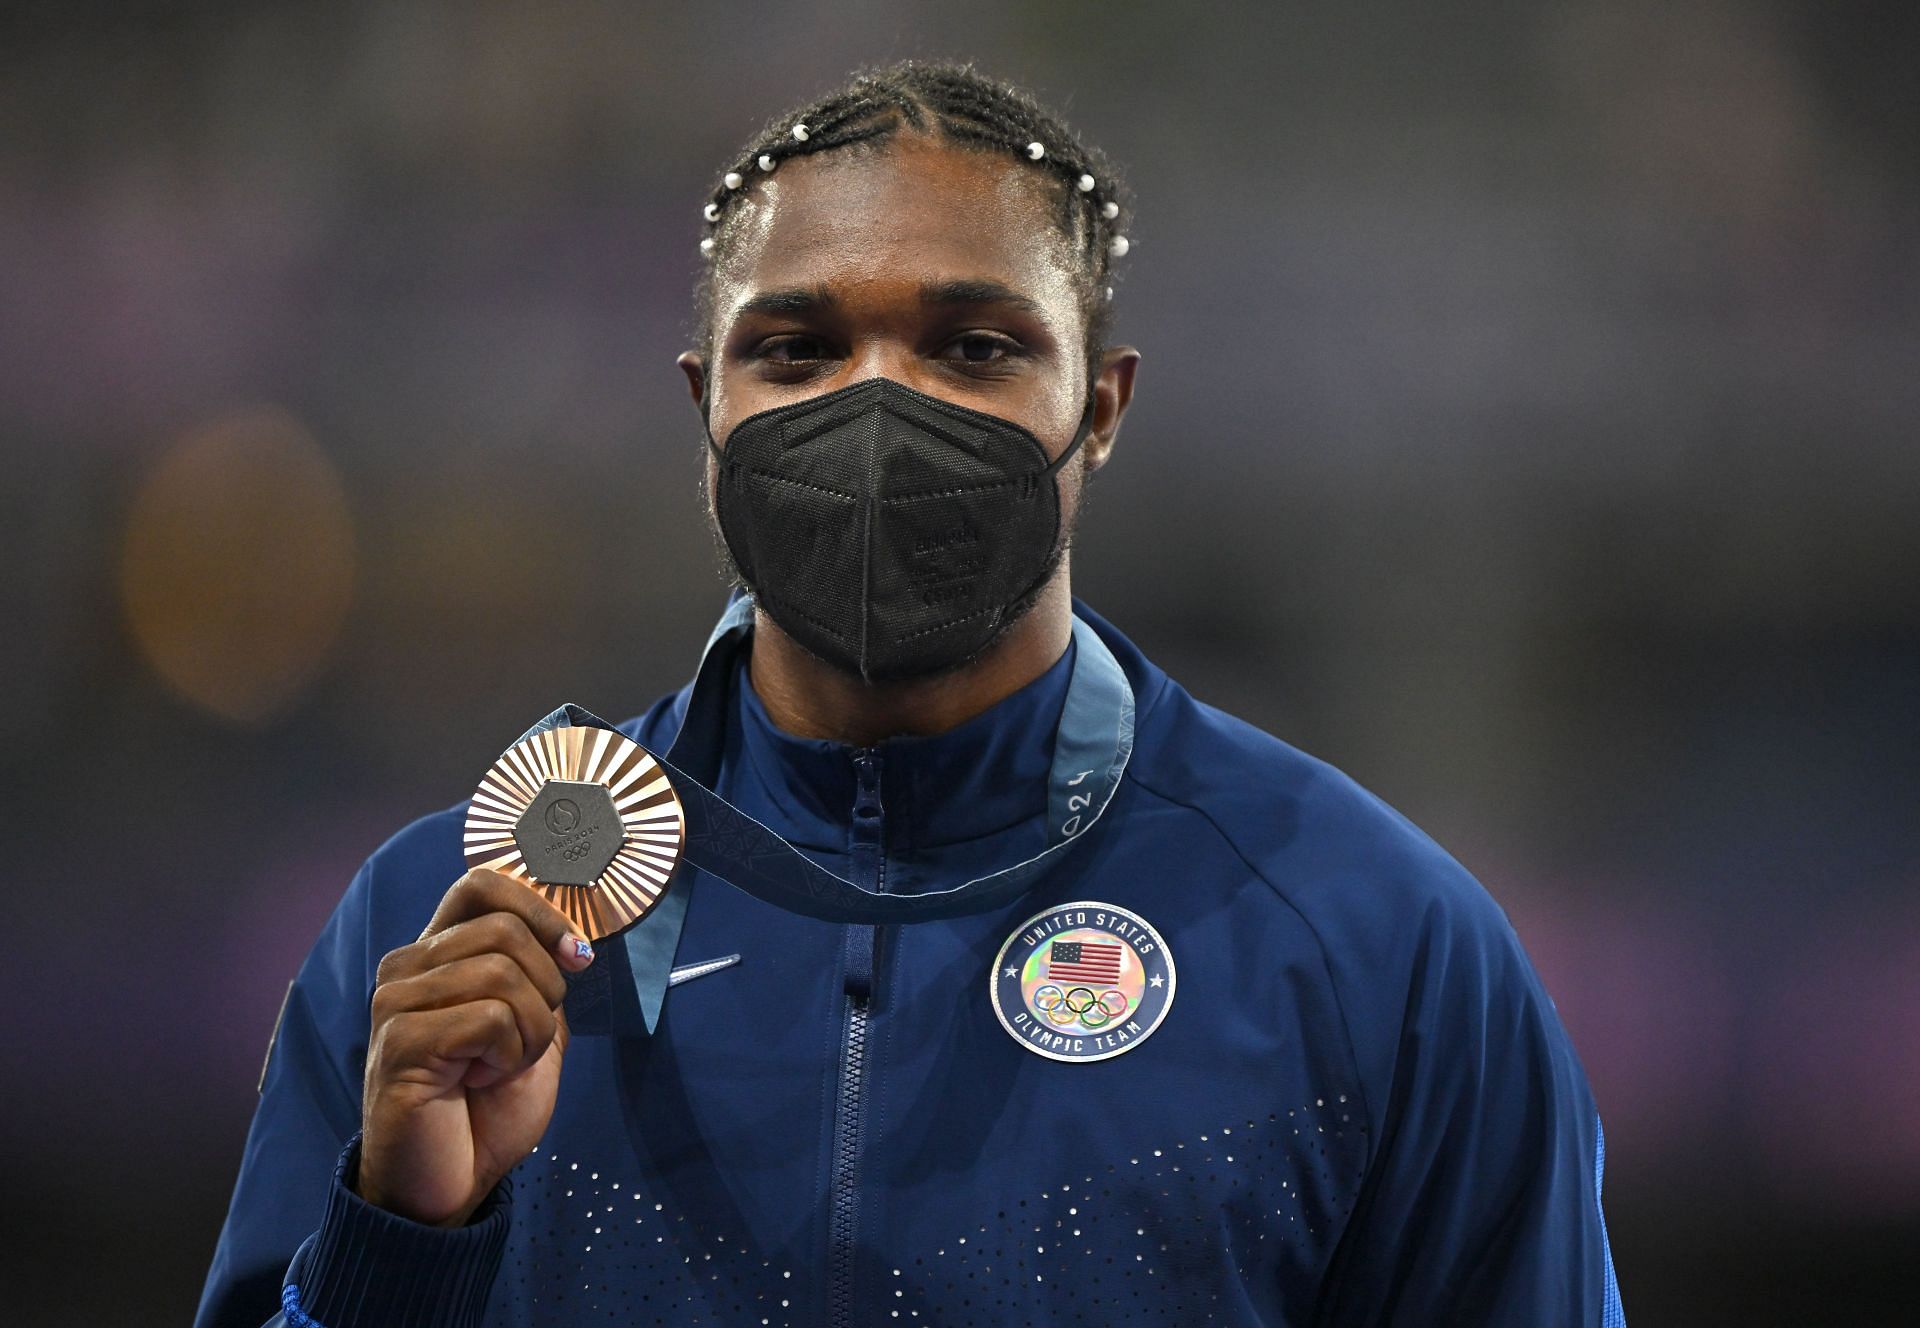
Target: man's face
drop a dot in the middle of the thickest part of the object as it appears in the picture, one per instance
(931, 265)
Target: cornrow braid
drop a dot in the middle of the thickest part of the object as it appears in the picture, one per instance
(961, 105)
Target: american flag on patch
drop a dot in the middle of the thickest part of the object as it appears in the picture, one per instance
(1084, 961)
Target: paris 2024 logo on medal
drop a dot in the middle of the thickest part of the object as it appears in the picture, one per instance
(1082, 982)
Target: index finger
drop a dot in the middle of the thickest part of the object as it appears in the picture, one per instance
(481, 892)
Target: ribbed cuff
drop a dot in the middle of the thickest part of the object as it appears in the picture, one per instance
(369, 1267)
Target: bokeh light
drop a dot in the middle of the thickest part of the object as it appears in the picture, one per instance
(238, 564)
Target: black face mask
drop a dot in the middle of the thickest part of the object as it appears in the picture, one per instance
(889, 532)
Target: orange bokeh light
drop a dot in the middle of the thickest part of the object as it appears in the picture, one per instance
(238, 564)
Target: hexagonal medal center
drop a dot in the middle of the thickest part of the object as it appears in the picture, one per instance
(569, 833)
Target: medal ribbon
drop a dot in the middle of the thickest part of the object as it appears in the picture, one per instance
(1091, 748)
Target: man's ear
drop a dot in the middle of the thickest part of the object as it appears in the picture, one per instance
(1112, 393)
(695, 369)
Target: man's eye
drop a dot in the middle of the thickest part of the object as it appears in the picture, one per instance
(793, 350)
(980, 348)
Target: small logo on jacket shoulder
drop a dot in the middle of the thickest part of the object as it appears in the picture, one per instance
(1082, 982)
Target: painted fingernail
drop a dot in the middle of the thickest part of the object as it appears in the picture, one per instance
(582, 949)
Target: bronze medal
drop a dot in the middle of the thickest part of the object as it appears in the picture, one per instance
(586, 819)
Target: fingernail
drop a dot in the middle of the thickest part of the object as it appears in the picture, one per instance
(577, 946)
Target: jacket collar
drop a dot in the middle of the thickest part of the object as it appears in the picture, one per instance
(980, 778)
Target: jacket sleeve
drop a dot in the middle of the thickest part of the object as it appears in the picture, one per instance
(1482, 1201)
(362, 1265)
(367, 1267)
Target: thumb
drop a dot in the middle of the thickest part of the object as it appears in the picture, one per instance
(573, 953)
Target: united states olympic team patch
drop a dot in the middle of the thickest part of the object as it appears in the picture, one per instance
(1082, 982)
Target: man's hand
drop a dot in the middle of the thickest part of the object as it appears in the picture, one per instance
(464, 1060)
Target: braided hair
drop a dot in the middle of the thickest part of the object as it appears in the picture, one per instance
(958, 104)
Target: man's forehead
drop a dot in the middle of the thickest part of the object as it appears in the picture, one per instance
(912, 224)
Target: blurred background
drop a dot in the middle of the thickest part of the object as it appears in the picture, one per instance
(1527, 424)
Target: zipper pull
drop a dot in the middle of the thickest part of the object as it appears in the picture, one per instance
(866, 785)
(860, 940)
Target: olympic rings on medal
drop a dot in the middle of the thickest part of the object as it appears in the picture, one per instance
(1113, 1003)
(1060, 1014)
(1084, 1005)
(1095, 1018)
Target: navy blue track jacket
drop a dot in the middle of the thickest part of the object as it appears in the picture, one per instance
(1359, 1108)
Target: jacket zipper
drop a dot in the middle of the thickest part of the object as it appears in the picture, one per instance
(869, 868)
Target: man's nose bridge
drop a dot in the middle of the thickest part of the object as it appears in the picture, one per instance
(882, 358)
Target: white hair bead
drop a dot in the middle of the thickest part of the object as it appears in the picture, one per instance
(711, 211)
(706, 247)
(1036, 149)
(800, 132)
(766, 162)
(1109, 292)
(732, 180)
(1086, 184)
(1109, 210)
(1119, 246)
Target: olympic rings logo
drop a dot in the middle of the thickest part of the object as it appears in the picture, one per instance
(1079, 1003)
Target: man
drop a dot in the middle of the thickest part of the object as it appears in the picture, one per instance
(1095, 1006)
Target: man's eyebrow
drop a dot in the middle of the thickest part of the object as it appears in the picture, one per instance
(977, 291)
(796, 301)
(967, 290)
